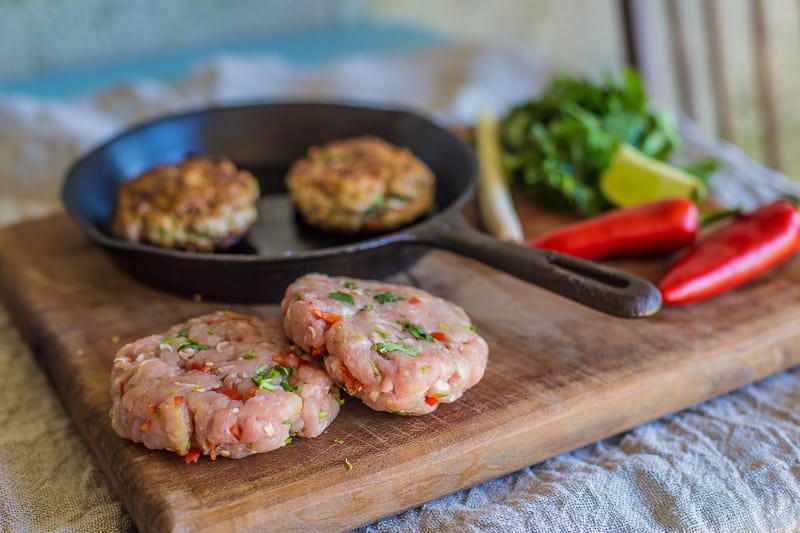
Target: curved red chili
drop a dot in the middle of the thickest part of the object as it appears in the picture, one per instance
(734, 254)
(654, 228)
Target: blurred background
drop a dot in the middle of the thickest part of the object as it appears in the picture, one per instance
(732, 65)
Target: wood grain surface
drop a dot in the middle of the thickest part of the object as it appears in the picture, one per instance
(560, 376)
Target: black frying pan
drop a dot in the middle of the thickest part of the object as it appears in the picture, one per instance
(265, 139)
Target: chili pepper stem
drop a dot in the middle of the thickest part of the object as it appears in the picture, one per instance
(707, 219)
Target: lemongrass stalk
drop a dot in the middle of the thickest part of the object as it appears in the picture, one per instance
(494, 197)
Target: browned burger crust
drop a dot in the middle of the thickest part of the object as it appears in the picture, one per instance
(360, 184)
(198, 204)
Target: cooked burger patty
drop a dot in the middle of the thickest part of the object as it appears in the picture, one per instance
(398, 348)
(200, 203)
(221, 384)
(357, 184)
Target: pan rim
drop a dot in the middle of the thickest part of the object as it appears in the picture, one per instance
(403, 234)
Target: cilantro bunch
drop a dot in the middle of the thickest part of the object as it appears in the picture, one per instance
(558, 144)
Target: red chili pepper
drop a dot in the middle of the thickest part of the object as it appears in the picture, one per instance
(431, 400)
(439, 336)
(734, 254)
(236, 431)
(654, 228)
(330, 318)
(145, 427)
(177, 401)
(414, 300)
(251, 391)
(233, 394)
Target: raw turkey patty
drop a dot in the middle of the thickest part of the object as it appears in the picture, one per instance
(198, 204)
(222, 384)
(399, 349)
(363, 183)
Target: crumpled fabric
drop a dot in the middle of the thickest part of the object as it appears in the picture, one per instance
(730, 464)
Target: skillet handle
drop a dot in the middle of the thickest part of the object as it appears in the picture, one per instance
(602, 288)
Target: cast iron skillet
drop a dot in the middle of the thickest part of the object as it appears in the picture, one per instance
(266, 138)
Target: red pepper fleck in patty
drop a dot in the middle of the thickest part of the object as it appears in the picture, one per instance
(439, 336)
(233, 394)
(202, 368)
(317, 351)
(283, 359)
(351, 383)
(431, 400)
(414, 300)
(330, 318)
(192, 456)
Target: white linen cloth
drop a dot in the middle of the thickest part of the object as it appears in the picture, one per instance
(731, 464)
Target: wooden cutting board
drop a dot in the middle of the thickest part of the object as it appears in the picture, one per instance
(560, 376)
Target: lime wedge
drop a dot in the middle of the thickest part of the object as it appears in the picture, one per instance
(633, 179)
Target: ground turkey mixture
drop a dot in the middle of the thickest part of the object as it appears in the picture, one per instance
(397, 348)
(221, 384)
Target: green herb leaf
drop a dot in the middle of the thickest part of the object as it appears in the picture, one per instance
(342, 297)
(417, 332)
(386, 297)
(287, 386)
(389, 346)
(558, 144)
